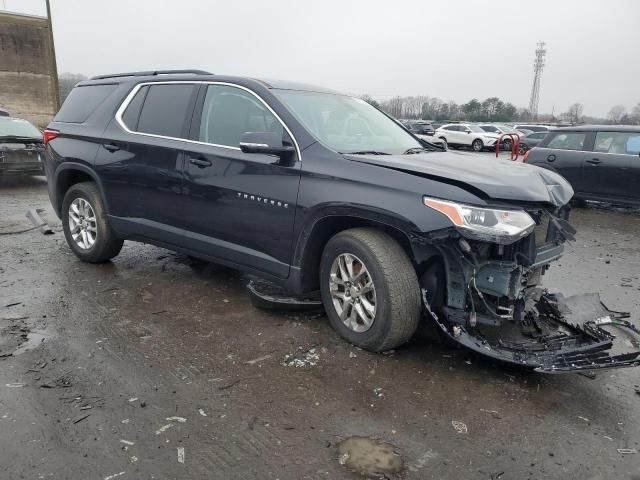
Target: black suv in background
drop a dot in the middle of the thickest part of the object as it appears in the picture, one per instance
(314, 190)
(602, 162)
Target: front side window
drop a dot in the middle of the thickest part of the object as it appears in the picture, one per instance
(347, 124)
(618, 142)
(229, 112)
(489, 128)
(568, 141)
(165, 110)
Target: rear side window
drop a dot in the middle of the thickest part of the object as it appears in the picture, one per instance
(82, 102)
(165, 109)
(568, 141)
(618, 142)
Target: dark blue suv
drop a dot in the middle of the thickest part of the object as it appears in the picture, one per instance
(318, 191)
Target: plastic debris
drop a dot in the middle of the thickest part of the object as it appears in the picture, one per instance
(627, 451)
(459, 426)
(257, 360)
(110, 477)
(176, 419)
(201, 412)
(164, 428)
(180, 454)
(352, 355)
(127, 442)
(16, 385)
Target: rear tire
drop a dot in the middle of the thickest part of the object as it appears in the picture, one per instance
(379, 261)
(85, 225)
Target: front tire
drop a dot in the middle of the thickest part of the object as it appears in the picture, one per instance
(477, 145)
(369, 289)
(85, 225)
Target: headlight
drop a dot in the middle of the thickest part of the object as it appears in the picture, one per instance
(487, 224)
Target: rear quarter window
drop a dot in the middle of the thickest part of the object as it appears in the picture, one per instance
(82, 102)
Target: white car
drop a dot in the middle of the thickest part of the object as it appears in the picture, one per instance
(466, 135)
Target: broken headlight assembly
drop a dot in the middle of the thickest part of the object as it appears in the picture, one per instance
(486, 224)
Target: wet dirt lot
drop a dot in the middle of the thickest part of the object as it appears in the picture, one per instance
(157, 367)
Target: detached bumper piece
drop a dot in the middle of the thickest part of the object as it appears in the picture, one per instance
(557, 335)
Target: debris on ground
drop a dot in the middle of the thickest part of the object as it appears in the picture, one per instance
(302, 358)
(459, 426)
(369, 457)
(202, 412)
(180, 454)
(493, 413)
(127, 442)
(378, 392)
(176, 419)
(81, 418)
(164, 428)
(257, 360)
(111, 477)
(627, 451)
(16, 385)
(583, 418)
(352, 355)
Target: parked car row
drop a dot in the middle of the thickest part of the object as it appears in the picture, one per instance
(601, 162)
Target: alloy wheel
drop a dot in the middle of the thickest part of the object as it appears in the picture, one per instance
(352, 292)
(82, 223)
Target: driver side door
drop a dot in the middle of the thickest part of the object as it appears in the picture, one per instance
(239, 207)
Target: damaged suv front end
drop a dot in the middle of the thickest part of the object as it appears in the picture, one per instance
(484, 291)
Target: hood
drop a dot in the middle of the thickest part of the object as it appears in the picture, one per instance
(497, 179)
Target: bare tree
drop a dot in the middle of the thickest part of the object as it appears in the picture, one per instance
(574, 114)
(616, 113)
(66, 82)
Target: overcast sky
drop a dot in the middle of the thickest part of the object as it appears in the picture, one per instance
(453, 50)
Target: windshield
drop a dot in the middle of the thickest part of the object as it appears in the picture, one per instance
(347, 124)
(507, 129)
(16, 127)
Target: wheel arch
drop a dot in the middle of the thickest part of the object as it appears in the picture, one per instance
(69, 174)
(323, 227)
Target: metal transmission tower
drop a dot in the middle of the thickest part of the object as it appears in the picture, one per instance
(538, 65)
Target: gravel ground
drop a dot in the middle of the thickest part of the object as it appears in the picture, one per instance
(156, 367)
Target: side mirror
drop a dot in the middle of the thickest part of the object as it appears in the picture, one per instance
(468, 131)
(268, 143)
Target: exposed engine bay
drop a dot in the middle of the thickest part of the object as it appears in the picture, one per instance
(488, 297)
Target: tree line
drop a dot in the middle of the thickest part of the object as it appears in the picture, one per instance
(492, 109)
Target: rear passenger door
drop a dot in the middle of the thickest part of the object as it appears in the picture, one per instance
(141, 161)
(240, 207)
(564, 152)
(612, 170)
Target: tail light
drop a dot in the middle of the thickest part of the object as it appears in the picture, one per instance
(526, 156)
(49, 135)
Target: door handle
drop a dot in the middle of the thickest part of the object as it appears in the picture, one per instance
(551, 158)
(200, 162)
(594, 161)
(111, 147)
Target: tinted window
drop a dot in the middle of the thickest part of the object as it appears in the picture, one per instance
(229, 112)
(567, 141)
(489, 128)
(165, 110)
(82, 102)
(453, 128)
(131, 115)
(618, 142)
(537, 136)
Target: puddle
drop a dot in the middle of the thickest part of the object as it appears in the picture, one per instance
(369, 457)
(34, 339)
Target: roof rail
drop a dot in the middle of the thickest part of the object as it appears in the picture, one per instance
(150, 73)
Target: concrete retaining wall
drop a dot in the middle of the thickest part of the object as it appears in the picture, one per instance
(27, 72)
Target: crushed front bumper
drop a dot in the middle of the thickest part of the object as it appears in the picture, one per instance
(568, 337)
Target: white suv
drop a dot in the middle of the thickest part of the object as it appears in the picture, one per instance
(466, 135)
